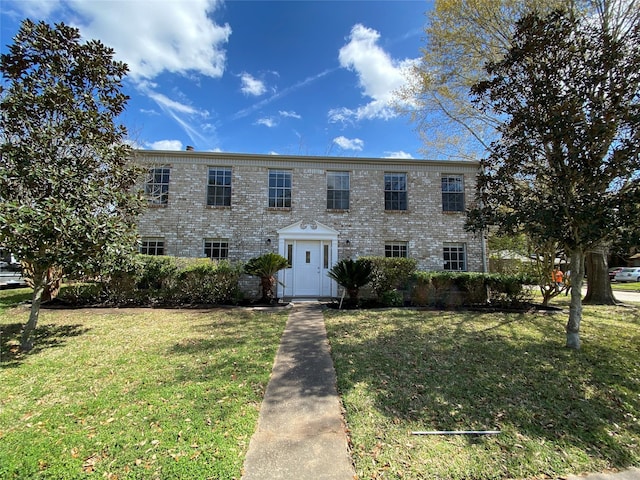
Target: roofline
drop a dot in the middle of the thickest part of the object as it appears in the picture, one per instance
(305, 158)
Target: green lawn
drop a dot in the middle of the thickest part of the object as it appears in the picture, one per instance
(629, 287)
(145, 393)
(559, 411)
(132, 393)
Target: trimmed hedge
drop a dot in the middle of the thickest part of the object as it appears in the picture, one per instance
(161, 280)
(452, 289)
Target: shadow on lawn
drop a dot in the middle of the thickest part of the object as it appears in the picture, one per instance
(459, 377)
(46, 336)
(240, 349)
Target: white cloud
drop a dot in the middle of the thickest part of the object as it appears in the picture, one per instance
(187, 116)
(267, 122)
(286, 114)
(151, 37)
(165, 145)
(349, 143)
(379, 76)
(33, 9)
(251, 85)
(244, 112)
(398, 154)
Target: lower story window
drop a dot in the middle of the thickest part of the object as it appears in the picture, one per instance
(216, 249)
(455, 257)
(152, 246)
(395, 249)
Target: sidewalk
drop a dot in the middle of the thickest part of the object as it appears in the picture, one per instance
(300, 433)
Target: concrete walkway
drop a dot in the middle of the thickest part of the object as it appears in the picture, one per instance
(300, 433)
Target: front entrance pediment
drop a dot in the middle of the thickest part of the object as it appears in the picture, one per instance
(308, 230)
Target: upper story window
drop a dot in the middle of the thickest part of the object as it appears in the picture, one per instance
(279, 189)
(455, 256)
(219, 187)
(216, 249)
(452, 193)
(152, 246)
(395, 250)
(337, 190)
(156, 186)
(395, 191)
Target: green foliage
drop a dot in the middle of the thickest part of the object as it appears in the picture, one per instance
(446, 289)
(392, 298)
(158, 280)
(352, 275)
(265, 267)
(66, 177)
(389, 274)
(567, 92)
(210, 282)
(460, 38)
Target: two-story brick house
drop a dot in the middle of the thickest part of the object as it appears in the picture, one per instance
(311, 210)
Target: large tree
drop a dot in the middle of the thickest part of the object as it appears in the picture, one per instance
(66, 174)
(461, 37)
(566, 163)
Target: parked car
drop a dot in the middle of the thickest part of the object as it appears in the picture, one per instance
(630, 274)
(3, 265)
(613, 272)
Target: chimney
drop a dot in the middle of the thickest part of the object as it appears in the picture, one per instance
(189, 148)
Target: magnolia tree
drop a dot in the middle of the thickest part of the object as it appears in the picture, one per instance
(565, 167)
(66, 177)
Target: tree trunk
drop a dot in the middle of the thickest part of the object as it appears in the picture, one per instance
(575, 310)
(39, 284)
(598, 284)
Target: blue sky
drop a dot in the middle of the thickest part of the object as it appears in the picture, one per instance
(268, 77)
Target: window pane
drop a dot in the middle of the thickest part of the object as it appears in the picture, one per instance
(395, 250)
(452, 193)
(279, 189)
(156, 187)
(454, 256)
(337, 190)
(216, 249)
(395, 194)
(219, 187)
(152, 246)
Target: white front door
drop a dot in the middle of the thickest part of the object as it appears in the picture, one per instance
(307, 258)
(311, 249)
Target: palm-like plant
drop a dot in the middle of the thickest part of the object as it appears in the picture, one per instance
(265, 267)
(352, 275)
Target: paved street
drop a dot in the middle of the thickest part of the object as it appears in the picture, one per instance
(627, 297)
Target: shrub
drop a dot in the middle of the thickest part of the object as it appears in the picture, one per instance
(352, 275)
(209, 282)
(390, 274)
(265, 267)
(445, 289)
(82, 293)
(392, 298)
(153, 280)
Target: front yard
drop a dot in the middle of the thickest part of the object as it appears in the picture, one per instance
(558, 411)
(133, 393)
(158, 393)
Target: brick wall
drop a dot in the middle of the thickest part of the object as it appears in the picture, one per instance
(186, 220)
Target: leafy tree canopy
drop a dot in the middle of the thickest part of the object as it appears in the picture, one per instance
(66, 176)
(566, 165)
